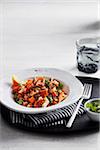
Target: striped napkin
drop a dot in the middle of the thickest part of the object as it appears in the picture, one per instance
(54, 118)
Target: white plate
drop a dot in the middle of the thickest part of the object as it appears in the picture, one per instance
(75, 86)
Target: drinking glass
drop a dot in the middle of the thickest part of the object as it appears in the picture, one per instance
(88, 54)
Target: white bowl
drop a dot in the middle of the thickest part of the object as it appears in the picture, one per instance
(92, 115)
(75, 87)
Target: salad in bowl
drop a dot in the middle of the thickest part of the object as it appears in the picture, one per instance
(38, 92)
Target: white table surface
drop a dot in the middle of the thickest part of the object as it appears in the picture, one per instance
(43, 34)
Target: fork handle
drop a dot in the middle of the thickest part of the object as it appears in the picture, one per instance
(72, 118)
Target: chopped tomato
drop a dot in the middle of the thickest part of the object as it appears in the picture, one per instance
(31, 100)
(44, 93)
(39, 102)
(39, 81)
(16, 88)
(54, 94)
(15, 83)
(25, 90)
(28, 86)
(30, 81)
(54, 102)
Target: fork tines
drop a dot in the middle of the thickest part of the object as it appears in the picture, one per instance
(87, 90)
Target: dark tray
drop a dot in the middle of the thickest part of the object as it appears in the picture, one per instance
(81, 124)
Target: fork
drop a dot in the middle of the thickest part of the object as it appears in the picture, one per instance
(86, 95)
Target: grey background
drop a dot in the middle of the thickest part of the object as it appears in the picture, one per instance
(44, 32)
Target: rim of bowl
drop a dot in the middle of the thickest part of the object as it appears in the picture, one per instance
(87, 109)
